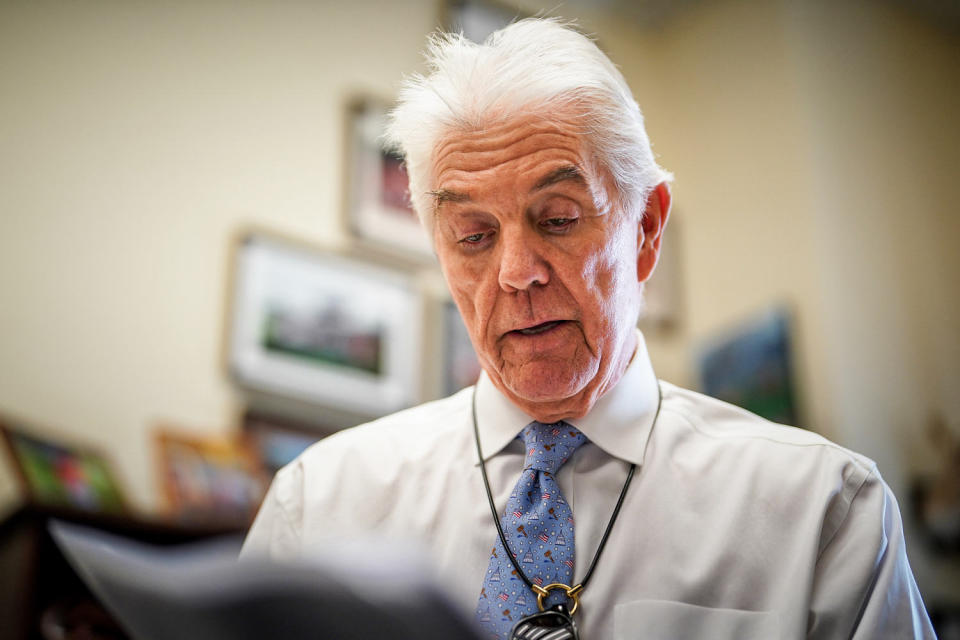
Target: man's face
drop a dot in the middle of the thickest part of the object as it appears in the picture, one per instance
(543, 269)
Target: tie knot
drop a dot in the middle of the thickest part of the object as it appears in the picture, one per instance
(549, 445)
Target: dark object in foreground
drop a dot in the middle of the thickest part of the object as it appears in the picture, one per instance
(202, 592)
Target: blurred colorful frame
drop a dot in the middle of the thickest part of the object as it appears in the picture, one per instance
(64, 476)
(208, 478)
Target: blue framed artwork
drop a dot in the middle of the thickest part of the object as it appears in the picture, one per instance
(752, 367)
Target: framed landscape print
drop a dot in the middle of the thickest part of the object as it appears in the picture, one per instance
(378, 207)
(324, 328)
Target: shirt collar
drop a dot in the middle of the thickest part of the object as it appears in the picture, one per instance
(619, 423)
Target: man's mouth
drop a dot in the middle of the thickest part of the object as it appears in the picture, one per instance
(540, 328)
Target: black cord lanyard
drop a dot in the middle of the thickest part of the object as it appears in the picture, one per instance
(572, 592)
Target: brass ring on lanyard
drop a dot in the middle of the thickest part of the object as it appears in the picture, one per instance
(572, 592)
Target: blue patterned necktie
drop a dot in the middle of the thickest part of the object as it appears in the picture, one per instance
(538, 524)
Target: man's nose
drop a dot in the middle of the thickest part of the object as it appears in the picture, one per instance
(521, 263)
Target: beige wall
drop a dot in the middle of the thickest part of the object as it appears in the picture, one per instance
(815, 150)
(882, 91)
(883, 94)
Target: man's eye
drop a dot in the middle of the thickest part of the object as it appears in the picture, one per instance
(555, 224)
(473, 238)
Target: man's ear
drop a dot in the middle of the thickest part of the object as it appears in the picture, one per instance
(650, 230)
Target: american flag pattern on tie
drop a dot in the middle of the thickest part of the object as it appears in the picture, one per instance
(538, 524)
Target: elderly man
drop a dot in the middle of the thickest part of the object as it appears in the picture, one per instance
(630, 506)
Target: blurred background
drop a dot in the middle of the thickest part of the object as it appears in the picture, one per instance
(162, 163)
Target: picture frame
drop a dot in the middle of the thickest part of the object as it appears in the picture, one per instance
(324, 328)
(62, 475)
(751, 365)
(935, 493)
(278, 441)
(477, 19)
(378, 210)
(461, 368)
(663, 291)
(208, 478)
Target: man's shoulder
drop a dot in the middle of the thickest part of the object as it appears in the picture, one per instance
(758, 469)
(735, 429)
(353, 480)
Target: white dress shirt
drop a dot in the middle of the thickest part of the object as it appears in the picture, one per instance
(733, 527)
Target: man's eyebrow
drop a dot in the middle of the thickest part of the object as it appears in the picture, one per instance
(446, 195)
(567, 172)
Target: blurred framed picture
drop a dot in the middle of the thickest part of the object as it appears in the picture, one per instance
(277, 441)
(379, 212)
(477, 19)
(208, 478)
(663, 293)
(935, 494)
(324, 328)
(61, 475)
(752, 367)
(460, 365)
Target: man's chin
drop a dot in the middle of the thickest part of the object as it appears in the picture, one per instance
(549, 393)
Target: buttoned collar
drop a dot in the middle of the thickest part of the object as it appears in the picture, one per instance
(619, 423)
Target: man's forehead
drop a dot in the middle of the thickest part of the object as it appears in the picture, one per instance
(523, 154)
(478, 148)
(498, 133)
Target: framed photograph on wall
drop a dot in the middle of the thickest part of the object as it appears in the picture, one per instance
(208, 478)
(61, 475)
(378, 207)
(460, 365)
(277, 441)
(663, 292)
(477, 19)
(751, 365)
(324, 328)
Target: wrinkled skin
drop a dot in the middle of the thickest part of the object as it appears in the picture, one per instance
(546, 271)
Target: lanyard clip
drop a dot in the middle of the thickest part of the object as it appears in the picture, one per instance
(573, 593)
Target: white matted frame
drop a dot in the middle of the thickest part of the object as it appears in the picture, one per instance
(378, 205)
(663, 292)
(324, 328)
(461, 368)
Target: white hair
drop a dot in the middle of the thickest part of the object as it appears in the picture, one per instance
(534, 66)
